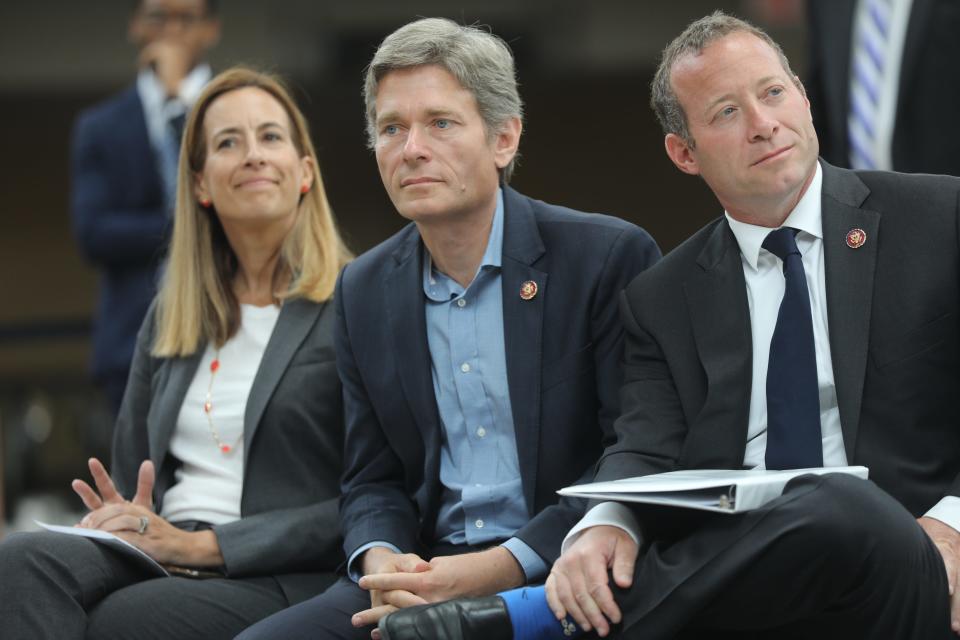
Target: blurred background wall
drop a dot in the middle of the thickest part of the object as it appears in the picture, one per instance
(590, 142)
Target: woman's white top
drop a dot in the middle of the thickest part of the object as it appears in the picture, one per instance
(209, 483)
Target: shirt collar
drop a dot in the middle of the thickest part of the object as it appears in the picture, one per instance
(440, 287)
(807, 216)
(154, 96)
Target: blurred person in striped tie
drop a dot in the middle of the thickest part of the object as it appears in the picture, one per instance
(878, 82)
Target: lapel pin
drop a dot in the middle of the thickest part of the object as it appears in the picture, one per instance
(856, 238)
(528, 290)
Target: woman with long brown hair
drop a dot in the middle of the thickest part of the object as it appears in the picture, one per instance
(227, 448)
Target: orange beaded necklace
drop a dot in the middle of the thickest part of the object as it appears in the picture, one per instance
(208, 410)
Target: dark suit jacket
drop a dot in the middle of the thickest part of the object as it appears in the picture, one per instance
(926, 137)
(120, 221)
(892, 314)
(293, 438)
(562, 352)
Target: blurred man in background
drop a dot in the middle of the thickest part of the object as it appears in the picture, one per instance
(124, 160)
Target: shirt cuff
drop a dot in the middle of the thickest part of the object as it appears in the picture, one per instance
(354, 571)
(613, 514)
(534, 568)
(946, 511)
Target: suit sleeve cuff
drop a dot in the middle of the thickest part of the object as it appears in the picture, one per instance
(534, 568)
(353, 568)
(946, 511)
(612, 514)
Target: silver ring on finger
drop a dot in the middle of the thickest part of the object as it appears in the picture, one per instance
(144, 523)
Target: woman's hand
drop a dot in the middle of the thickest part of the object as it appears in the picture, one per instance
(135, 521)
(108, 491)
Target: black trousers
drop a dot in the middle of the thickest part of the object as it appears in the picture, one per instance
(66, 587)
(833, 557)
(324, 616)
(327, 616)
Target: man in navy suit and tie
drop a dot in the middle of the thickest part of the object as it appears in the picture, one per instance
(479, 347)
(124, 171)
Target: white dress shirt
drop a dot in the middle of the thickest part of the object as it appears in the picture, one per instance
(763, 274)
(208, 484)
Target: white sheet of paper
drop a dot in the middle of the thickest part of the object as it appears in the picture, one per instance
(107, 538)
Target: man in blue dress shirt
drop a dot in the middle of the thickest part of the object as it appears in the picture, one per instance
(479, 347)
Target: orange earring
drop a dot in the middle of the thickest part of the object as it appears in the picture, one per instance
(305, 188)
(205, 203)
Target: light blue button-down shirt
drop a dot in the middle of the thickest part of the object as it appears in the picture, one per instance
(479, 467)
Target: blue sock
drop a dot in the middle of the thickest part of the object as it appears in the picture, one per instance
(531, 617)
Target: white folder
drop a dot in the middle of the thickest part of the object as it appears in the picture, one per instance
(720, 490)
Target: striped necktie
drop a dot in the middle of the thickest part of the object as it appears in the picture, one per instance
(869, 62)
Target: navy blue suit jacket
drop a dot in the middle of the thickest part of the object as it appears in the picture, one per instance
(120, 220)
(563, 351)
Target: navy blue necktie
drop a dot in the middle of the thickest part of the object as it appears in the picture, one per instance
(793, 405)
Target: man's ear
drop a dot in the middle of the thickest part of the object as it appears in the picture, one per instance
(681, 153)
(802, 90)
(506, 142)
(211, 33)
(135, 30)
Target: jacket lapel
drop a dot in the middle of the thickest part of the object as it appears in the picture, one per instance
(849, 283)
(163, 418)
(294, 323)
(406, 316)
(523, 330)
(719, 315)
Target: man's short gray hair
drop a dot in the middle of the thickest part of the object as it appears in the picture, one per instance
(694, 39)
(480, 61)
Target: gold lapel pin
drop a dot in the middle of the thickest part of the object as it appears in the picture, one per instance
(528, 290)
(856, 238)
